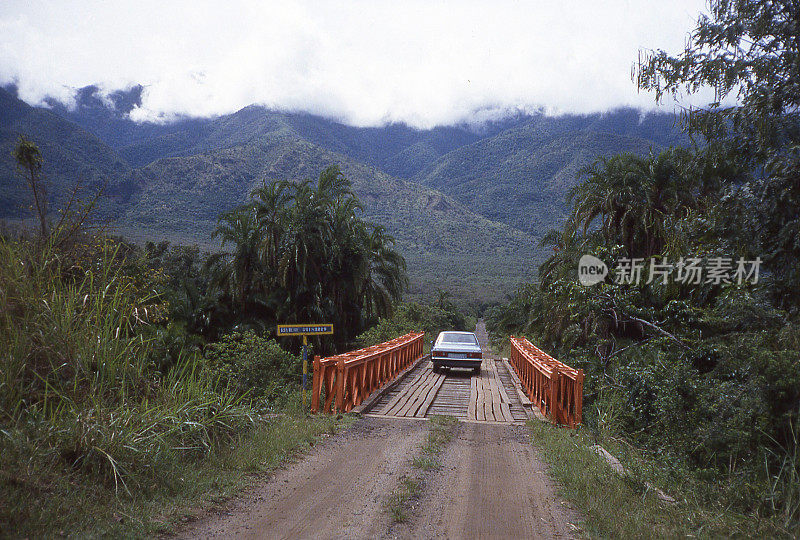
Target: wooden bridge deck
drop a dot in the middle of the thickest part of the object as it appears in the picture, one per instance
(488, 397)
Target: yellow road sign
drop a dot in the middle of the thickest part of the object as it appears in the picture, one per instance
(285, 330)
(305, 330)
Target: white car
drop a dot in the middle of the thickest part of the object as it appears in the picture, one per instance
(456, 349)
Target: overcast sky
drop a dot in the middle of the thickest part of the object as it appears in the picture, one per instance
(366, 63)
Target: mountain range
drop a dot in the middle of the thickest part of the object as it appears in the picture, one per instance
(467, 204)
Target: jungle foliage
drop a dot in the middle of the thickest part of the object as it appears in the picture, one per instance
(416, 317)
(301, 254)
(126, 369)
(705, 375)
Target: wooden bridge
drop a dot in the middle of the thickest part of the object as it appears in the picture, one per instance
(394, 379)
(485, 398)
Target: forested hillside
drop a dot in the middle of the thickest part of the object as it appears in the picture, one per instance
(521, 176)
(73, 156)
(468, 202)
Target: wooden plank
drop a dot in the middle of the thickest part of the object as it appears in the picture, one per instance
(481, 404)
(376, 415)
(403, 394)
(523, 397)
(487, 391)
(497, 413)
(503, 393)
(391, 386)
(402, 397)
(506, 410)
(415, 400)
(423, 409)
(421, 386)
(505, 404)
(473, 398)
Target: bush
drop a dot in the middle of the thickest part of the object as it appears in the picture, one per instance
(252, 365)
(414, 317)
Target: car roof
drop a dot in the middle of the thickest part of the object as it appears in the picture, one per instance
(441, 336)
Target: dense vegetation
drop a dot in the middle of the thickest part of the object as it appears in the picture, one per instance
(301, 254)
(131, 372)
(706, 374)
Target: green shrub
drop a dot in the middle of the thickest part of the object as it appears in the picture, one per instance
(253, 365)
(414, 317)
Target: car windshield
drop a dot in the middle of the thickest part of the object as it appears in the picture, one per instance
(459, 338)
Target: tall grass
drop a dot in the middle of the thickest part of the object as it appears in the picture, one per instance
(784, 485)
(78, 387)
(67, 332)
(599, 492)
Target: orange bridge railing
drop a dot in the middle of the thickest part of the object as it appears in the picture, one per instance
(555, 388)
(349, 378)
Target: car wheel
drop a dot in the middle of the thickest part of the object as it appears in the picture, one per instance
(477, 370)
(435, 368)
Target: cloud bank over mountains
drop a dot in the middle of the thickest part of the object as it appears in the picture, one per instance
(365, 63)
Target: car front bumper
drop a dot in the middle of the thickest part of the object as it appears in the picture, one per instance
(457, 362)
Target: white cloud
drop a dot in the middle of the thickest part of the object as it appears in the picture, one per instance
(366, 63)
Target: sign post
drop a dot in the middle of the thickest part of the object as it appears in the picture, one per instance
(305, 330)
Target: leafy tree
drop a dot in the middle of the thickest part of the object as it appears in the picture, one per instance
(384, 274)
(704, 374)
(270, 202)
(750, 51)
(237, 274)
(637, 199)
(745, 49)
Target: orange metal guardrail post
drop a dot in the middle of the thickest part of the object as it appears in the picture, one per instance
(316, 385)
(340, 387)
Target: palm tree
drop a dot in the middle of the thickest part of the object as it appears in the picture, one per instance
(29, 160)
(333, 187)
(302, 254)
(236, 272)
(385, 277)
(567, 247)
(302, 266)
(637, 199)
(271, 208)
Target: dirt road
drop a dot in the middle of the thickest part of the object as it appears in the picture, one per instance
(491, 485)
(337, 491)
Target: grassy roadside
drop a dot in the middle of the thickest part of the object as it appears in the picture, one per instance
(624, 506)
(44, 498)
(440, 432)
